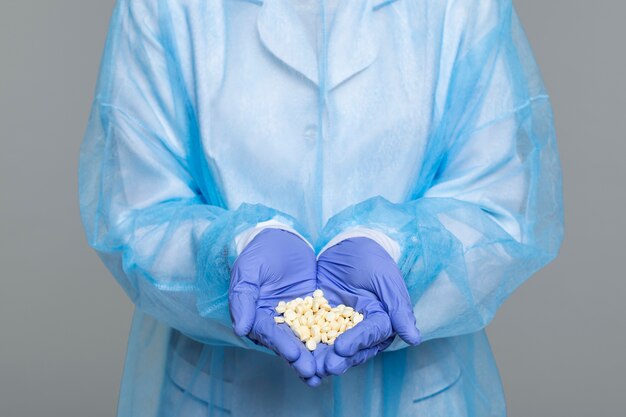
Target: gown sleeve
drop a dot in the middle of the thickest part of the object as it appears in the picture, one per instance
(149, 208)
(486, 209)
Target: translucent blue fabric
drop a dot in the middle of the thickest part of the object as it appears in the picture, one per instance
(425, 120)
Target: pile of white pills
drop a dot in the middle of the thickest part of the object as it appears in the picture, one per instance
(314, 321)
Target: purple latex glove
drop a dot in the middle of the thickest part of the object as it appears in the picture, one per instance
(276, 265)
(358, 272)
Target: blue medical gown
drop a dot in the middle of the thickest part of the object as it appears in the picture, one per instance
(426, 120)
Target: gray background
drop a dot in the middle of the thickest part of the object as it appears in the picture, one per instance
(560, 340)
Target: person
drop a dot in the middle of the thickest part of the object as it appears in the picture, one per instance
(400, 155)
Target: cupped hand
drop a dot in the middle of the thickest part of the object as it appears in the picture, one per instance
(358, 272)
(276, 265)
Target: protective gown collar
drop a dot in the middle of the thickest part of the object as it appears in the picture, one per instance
(352, 43)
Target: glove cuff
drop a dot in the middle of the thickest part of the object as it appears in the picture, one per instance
(391, 246)
(246, 236)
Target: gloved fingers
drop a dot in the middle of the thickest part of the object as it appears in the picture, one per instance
(375, 329)
(313, 382)
(275, 337)
(284, 343)
(305, 365)
(242, 302)
(329, 363)
(336, 364)
(320, 357)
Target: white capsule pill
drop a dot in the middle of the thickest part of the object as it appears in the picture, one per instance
(311, 344)
(318, 293)
(305, 333)
(279, 319)
(296, 331)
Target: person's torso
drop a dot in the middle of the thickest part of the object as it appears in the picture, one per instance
(308, 114)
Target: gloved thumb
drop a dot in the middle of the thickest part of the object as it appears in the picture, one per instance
(403, 323)
(397, 302)
(242, 303)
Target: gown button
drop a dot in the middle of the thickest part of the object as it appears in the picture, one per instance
(310, 132)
